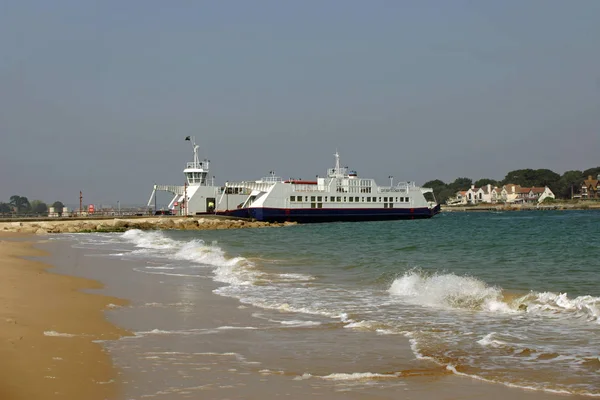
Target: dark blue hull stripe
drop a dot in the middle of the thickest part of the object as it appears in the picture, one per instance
(310, 215)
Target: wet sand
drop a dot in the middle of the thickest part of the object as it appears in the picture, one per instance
(258, 359)
(48, 326)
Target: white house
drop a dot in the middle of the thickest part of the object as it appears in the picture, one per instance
(484, 194)
(510, 193)
(541, 194)
(474, 195)
(516, 194)
(459, 199)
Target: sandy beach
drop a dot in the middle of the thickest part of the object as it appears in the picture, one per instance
(48, 329)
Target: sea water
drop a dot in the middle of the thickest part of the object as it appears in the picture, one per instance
(511, 298)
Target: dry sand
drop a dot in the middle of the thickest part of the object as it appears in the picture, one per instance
(36, 308)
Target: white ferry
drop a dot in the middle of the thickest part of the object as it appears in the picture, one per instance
(199, 195)
(340, 196)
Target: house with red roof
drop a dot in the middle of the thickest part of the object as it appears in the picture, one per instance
(590, 188)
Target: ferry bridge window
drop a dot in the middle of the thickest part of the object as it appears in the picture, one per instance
(351, 199)
(319, 205)
(313, 205)
(356, 199)
(319, 198)
(339, 199)
(292, 198)
(312, 198)
(391, 205)
(368, 199)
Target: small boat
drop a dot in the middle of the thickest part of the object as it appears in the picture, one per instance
(339, 196)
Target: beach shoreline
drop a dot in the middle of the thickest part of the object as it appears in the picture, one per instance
(43, 226)
(47, 346)
(562, 206)
(82, 369)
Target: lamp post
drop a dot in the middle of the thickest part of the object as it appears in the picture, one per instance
(119, 207)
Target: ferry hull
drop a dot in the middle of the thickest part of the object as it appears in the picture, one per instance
(311, 215)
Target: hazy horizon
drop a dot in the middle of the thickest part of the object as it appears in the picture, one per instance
(99, 96)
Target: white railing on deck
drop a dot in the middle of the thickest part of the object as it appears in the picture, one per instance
(260, 186)
(401, 187)
(197, 165)
(179, 190)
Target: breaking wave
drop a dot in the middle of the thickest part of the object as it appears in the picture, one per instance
(235, 270)
(466, 292)
(448, 290)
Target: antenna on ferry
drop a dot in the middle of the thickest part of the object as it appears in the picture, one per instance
(337, 162)
(195, 146)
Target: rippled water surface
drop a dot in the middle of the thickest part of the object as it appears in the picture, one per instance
(507, 297)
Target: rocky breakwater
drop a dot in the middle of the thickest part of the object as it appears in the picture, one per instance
(42, 227)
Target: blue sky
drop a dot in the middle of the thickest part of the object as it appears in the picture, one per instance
(98, 95)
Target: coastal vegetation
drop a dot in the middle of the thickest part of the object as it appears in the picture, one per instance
(563, 186)
(21, 205)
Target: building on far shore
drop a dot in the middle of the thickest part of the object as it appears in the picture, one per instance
(590, 187)
(509, 193)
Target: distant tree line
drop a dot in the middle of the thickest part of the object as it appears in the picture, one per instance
(22, 205)
(561, 186)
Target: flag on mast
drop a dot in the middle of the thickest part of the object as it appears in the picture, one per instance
(188, 138)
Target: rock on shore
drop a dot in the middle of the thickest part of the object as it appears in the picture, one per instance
(121, 225)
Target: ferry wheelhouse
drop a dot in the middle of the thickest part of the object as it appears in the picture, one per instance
(340, 196)
(199, 194)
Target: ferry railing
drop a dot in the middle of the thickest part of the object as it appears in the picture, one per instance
(401, 187)
(178, 190)
(197, 165)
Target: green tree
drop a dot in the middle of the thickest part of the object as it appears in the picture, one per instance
(569, 182)
(594, 172)
(58, 206)
(461, 184)
(5, 208)
(20, 203)
(530, 177)
(484, 181)
(38, 207)
(444, 195)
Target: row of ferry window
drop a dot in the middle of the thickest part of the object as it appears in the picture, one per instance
(338, 199)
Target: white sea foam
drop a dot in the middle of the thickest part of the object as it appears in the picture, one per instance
(357, 376)
(448, 290)
(234, 271)
(488, 340)
(58, 334)
(298, 323)
(557, 305)
(149, 240)
(364, 325)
